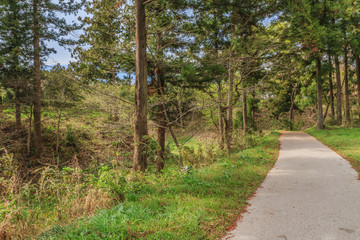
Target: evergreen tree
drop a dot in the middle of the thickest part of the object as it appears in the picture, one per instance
(15, 46)
(106, 47)
(48, 25)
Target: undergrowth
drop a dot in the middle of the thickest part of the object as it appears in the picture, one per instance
(199, 203)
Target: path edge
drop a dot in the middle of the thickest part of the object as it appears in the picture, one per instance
(341, 154)
(244, 210)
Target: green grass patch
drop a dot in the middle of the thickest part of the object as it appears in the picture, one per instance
(196, 204)
(345, 141)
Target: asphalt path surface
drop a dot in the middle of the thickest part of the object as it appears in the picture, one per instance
(311, 193)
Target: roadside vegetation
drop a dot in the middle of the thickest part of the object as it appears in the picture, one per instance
(162, 124)
(192, 204)
(89, 177)
(345, 141)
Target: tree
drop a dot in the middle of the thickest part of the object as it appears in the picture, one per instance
(166, 23)
(310, 23)
(60, 93)
(107, 42)
(44, 20)
(14, 48)
(140, 117)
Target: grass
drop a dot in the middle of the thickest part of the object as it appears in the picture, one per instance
(196, 204)
(345, 141)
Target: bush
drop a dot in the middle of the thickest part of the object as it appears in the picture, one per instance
(113, 182)
(195, 157)
(70, 137)
(355, 123)
(331, 122)
(246, 141)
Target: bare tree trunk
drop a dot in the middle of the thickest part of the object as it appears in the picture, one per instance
(181, 165)
(338, 91)
(161, 134)
(37, 78)
(17, 108)
(140, 121)
(29, 132)
(331, 90)
(221, 124)
(161, 121)
(179, 97)
(326, 110)
(129, 83)
(253, 110)
(320, 121)
(58, 133)
(229, 117)
(346, 80)
(357, 59)
(291, 115)
(245, 117)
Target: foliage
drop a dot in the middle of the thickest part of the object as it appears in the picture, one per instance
(106, 47)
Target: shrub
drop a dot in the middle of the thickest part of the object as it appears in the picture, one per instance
(355, 123)
(246, 141)
(70, 137)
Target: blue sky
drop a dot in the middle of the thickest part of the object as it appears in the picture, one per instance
(62, 55)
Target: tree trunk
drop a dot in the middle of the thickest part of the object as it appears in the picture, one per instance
(161, 122)
(346, 80)
(28, 143)
(229, 117)
(245, 118)
(331, 86)
(181, 165)
(129, 83)
(17, 108)
(140, 121)
(161, 134)
(291, 115)
(357, 59)
(58, 133)
(338, 91)
(178, 98)
(320, 121)
(221, 123)
(37, 78)
(326, 110)
(253, 110)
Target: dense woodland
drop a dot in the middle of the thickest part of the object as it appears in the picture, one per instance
(157, 88)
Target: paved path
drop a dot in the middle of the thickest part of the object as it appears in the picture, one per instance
(311, 193)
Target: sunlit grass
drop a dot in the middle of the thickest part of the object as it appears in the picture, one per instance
(346, 141)
(200, 204)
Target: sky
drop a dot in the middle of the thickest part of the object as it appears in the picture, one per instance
(62, 55)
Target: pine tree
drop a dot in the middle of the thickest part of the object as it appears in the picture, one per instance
(47, 25)
(106, 47)
(15, 44)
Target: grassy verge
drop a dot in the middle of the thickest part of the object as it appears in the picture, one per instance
(197, 204)
(344, 141)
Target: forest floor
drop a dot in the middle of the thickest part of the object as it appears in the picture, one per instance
(311, 193)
